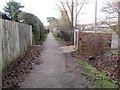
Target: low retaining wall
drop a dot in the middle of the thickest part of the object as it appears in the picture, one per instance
(15, 38)
(94, 43)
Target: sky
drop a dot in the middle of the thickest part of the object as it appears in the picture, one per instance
(47, 8)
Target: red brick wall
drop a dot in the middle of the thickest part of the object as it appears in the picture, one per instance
(94, 43)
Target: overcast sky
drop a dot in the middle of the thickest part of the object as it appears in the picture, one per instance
(47, 8)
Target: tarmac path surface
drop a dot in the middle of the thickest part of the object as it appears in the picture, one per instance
(56, 71)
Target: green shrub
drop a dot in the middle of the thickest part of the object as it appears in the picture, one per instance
(37, 25)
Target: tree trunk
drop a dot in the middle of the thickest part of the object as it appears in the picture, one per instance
(72, 15)
(72, 22)
(76, 15)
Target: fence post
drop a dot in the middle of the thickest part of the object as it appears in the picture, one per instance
(76, 37)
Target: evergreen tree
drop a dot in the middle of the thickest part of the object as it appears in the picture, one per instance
(12, 9)
(37, 25)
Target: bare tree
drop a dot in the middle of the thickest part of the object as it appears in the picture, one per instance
(78, 9)
(65, 22)
(73, 8)
(111, 11)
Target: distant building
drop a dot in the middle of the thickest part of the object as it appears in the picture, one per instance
(92, 27)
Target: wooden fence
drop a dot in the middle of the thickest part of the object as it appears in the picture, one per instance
(15, 38)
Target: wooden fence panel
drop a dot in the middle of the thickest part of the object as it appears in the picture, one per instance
(15, 39)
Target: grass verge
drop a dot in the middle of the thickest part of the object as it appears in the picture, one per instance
(58, 38)
(99, 79)
(45, 36)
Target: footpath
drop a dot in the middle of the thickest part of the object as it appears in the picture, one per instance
(57, 71)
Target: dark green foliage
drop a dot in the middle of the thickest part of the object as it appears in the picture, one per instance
(66, 36)
(12, 9)
(37, 26)
(46, 31)
(58, 38)
(51, 19)
(53, 22)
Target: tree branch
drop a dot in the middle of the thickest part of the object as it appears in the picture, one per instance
(81, 7)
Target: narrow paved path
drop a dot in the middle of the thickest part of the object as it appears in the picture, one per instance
(52, 73)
